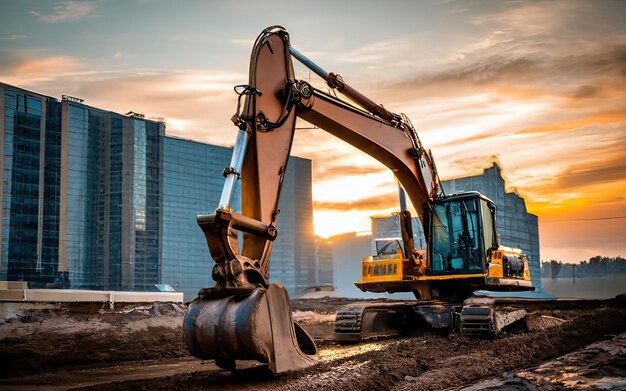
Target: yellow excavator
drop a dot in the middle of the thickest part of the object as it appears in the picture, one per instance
(244, 316)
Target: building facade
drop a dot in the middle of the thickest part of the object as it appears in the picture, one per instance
(324, 262)
(293, 259)
(98, 200)
(192, 185)
(81, 194)
(27, 133)
(109, 198)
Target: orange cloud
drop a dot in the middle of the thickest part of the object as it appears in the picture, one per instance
(605, 118)
(340, 170)
(29, 70)
(194, 104)
(376, 203)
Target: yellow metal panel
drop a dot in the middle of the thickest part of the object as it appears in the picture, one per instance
(382, 271)
(451, 277)
(495, 264)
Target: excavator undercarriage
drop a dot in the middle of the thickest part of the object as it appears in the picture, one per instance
(475, 317)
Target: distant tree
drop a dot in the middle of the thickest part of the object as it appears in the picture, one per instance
(596, 266)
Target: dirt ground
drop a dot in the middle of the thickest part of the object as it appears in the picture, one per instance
(142, 348)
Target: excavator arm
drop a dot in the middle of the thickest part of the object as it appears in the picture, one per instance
(244, 316)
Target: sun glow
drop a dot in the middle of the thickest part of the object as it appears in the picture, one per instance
(329, 223)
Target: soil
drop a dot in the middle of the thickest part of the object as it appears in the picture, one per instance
(142, 348)
(89, 334)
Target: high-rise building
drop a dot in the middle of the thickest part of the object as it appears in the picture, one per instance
(95, 199)
(516, 227)
(324, 263)
(30, 163)
(109, 198)
(192, 185)
(81, 194)
(293, 260)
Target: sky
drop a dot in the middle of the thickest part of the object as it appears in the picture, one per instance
(540, 86)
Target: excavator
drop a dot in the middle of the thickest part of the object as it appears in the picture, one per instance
(244, 316)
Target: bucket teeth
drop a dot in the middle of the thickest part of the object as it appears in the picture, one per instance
(247, 325)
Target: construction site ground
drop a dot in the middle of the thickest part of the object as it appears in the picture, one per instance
(93, 347)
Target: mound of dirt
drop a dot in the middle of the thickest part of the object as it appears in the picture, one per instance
(89, 334)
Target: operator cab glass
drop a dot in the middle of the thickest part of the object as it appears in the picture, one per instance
(388, 248)
(462, 233)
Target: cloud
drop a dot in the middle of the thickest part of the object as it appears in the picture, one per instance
(14, 37)
(529, 18)
(67, 11)
(586, 91)
(609, 166)
(195, 104)
(339, 170)
(603, 118)
(377, 52)
(546, 73)
(51, 65)
(488, 71)
(379, 202)
(26, 70)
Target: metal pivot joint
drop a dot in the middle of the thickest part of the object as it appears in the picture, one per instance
(302, 94)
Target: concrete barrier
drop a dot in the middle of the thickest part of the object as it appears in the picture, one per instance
(86, 296)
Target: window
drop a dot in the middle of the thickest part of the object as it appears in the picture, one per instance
(457, 245)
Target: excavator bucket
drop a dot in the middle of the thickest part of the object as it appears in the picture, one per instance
(229, 324)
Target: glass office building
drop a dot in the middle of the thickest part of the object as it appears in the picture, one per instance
(24, 197)
(192, 185)
(293, 260)
(80, 194)
(109, 199)
(98, 200)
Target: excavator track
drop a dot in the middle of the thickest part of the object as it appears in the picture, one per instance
(477, 321)
(364, 321)
(484, 318)
(476, 318)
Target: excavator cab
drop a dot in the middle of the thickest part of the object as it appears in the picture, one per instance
(463, 233)
(464, 243)
(462, 255)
